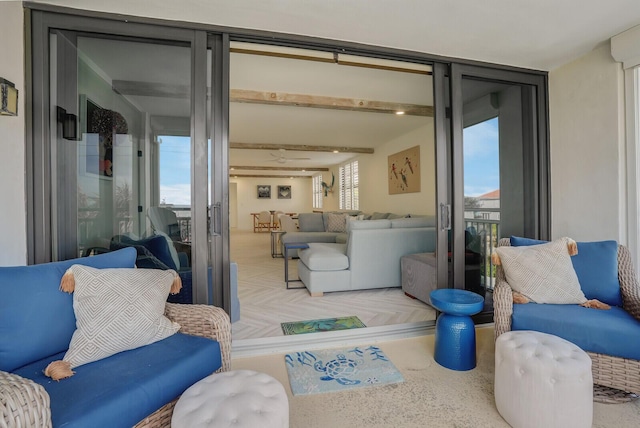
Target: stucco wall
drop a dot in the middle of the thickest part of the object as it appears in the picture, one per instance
(586, 115)
(13, 242)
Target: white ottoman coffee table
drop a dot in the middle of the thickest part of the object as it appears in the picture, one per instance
(542, 380)
(239, 399)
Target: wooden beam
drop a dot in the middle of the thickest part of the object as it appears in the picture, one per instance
(334, 103)
(301, 148)
(277, 168)
(267, 176)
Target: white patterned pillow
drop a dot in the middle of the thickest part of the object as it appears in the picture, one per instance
(336, 222)
(116, 310)
(543, 273)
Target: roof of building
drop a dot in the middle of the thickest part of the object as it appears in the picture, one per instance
(494, 194)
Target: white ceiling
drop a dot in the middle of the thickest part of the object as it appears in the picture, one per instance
(540, 34)
(537, 34)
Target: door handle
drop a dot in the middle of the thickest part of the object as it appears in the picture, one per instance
(445, 217)
(216, 222)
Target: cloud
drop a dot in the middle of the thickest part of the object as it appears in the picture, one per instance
(177, 194)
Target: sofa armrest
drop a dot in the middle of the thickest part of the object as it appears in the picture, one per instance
(629, 287)
(206, 321)
(502, 298)
(23, 402)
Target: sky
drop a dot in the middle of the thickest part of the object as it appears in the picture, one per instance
(481, 164)
(175, 170)
(481, 161)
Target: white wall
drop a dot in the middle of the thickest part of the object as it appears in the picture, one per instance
(587, 139)
(13, 226)
(248, 202)
(374, 176)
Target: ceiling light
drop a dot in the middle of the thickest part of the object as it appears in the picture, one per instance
(291, 178)
(336, 151)
(232, 168)
(304, 170)
(399, 113)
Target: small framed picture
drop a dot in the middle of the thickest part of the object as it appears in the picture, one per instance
(264, 191)
(284, 192)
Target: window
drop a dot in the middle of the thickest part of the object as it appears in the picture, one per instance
(349, 186)
(317, 191)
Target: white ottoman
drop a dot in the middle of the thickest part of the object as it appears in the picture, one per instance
(542, 380)
(239, 399)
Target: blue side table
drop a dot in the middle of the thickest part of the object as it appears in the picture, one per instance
(455, 342)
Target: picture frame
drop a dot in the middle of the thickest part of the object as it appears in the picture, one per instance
(404, 171)
(284, 192)
(264, 191)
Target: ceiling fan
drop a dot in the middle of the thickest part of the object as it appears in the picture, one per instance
(281, 158)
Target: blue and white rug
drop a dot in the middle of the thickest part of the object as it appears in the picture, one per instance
(315, 372)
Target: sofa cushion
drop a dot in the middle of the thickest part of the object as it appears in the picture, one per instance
(379, 216)
(325, 257)
(117, 310)
(410, 222)
(125, 388)
(36, 319)
(310, 222)
(369, 224)
(610, 332)
(543, 273)
(596, 266)
(336, 222)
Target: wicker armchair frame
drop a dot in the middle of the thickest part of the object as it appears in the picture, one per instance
(612, 372)
(26, 403)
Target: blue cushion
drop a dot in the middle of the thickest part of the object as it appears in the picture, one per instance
(36, 318)
(612, 332)
(596, 265)
(156, 244)
(121, 390)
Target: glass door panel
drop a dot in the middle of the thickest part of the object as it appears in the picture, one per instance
(495, 176)
(122, 144)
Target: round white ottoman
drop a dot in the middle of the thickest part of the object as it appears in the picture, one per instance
(239, 399)
(542, 380)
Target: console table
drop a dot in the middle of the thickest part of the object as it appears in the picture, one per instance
(287, 247)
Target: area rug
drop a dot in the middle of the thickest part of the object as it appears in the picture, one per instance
(328, 324)
(315, 372)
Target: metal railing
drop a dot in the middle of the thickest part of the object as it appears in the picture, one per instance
(485, 232)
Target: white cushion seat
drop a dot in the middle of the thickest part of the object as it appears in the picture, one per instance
(238, 399)
(542, 380)
(322, 256)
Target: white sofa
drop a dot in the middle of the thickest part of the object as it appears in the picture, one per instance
(369, 259)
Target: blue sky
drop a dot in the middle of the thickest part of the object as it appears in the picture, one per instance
(481, 160)
(175, 170)
(481, 167)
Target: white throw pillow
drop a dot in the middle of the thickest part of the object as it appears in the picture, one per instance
(336, 223)
(543, 273)
(117, 310)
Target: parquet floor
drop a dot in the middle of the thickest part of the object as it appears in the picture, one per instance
(265, 302)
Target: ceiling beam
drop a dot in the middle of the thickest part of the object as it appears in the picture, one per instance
(267, 176)
(301, 148)
(277, 168)
(334, 103)
(167, 90)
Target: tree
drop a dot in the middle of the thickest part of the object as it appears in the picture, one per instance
(471, 202)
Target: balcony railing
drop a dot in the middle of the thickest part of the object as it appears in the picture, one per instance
(484, 227)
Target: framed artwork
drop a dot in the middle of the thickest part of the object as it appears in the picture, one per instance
(284, 192)
(404, 171)
(264, 191)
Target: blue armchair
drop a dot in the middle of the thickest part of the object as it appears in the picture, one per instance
(608, 336)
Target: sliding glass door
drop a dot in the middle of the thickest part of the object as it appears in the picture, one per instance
(127, 152)
(498, 169)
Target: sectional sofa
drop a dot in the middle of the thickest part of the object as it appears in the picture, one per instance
(369, 259)
(318, 227)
